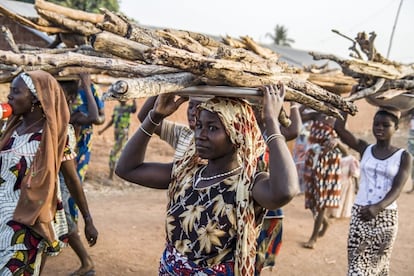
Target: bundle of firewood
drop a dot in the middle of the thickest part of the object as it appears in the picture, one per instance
(380, 81)
(141, 62)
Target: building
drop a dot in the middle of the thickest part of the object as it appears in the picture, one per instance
(22, 34)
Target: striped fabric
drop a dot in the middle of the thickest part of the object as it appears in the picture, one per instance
(178, 136)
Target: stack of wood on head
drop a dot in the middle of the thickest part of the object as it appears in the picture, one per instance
(141, 62)
(378, 80)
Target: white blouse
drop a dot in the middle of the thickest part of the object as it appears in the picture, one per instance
(377, 177)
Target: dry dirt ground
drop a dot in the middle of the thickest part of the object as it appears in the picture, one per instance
(130, 220)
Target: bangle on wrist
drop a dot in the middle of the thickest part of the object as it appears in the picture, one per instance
(273, 137)
(151, 120)
(87, 217)
(145, 131)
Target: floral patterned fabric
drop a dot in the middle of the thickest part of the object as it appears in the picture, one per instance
(174, 263)
(201, 223)
(122, 118)
(20, 246)
(84, 143)
(217, 224)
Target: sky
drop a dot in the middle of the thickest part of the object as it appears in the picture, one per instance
(308, 22)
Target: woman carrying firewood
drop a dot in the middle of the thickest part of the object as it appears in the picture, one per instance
(213, 190)
(374, 221)
(321, 173)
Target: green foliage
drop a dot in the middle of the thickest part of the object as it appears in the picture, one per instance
(90, 5)
(280, 36)
(26, 1)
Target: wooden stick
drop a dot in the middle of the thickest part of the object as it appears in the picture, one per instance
(73, 14)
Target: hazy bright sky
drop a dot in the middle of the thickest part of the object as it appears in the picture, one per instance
(309, 22)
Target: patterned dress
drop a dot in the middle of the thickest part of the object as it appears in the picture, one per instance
(84, 142)
(213, 230)
(207, 217)
(322, 171)
(121, 118)
(71, 209)
(20, 247)
(349, 176)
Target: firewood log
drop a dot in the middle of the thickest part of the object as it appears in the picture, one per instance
(59, 61)
(76, 15)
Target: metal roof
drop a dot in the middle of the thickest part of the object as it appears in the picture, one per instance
(26, 10)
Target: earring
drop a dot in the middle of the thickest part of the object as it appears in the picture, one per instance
(32, 109)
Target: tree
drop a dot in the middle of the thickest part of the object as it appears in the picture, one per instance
(90, 5)
(280, 36)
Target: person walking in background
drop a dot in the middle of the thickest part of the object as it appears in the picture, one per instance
(385, 169)
(214, 189)
(349, 185)
(121, 118)
(33, 148)
(87, 109)
(322, 173)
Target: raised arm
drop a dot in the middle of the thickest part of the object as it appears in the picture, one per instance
(133, 106)
(277, 188)
(95, 115)
(293, 130)
(131, 165)
(347, 137)
(145, 109)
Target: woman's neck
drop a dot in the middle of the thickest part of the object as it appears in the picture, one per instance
(31, 124)
(216, 167)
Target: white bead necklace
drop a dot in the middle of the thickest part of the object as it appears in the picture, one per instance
(200, 178)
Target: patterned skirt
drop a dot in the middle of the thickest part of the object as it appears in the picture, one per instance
(370, 242)
(269, 243)
(322, 179)
(174, 263)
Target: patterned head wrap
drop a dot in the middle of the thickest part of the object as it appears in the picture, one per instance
(29, 83)
(240, 123)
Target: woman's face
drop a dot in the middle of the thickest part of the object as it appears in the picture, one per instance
(383, 127)
(20, 98)
(212, 141)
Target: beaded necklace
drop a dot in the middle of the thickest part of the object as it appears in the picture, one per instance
(200, 178)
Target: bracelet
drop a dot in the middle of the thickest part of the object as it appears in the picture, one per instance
(294, 106)
(87, 217)
(145, 131)
(152, 121)
(273, 137)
